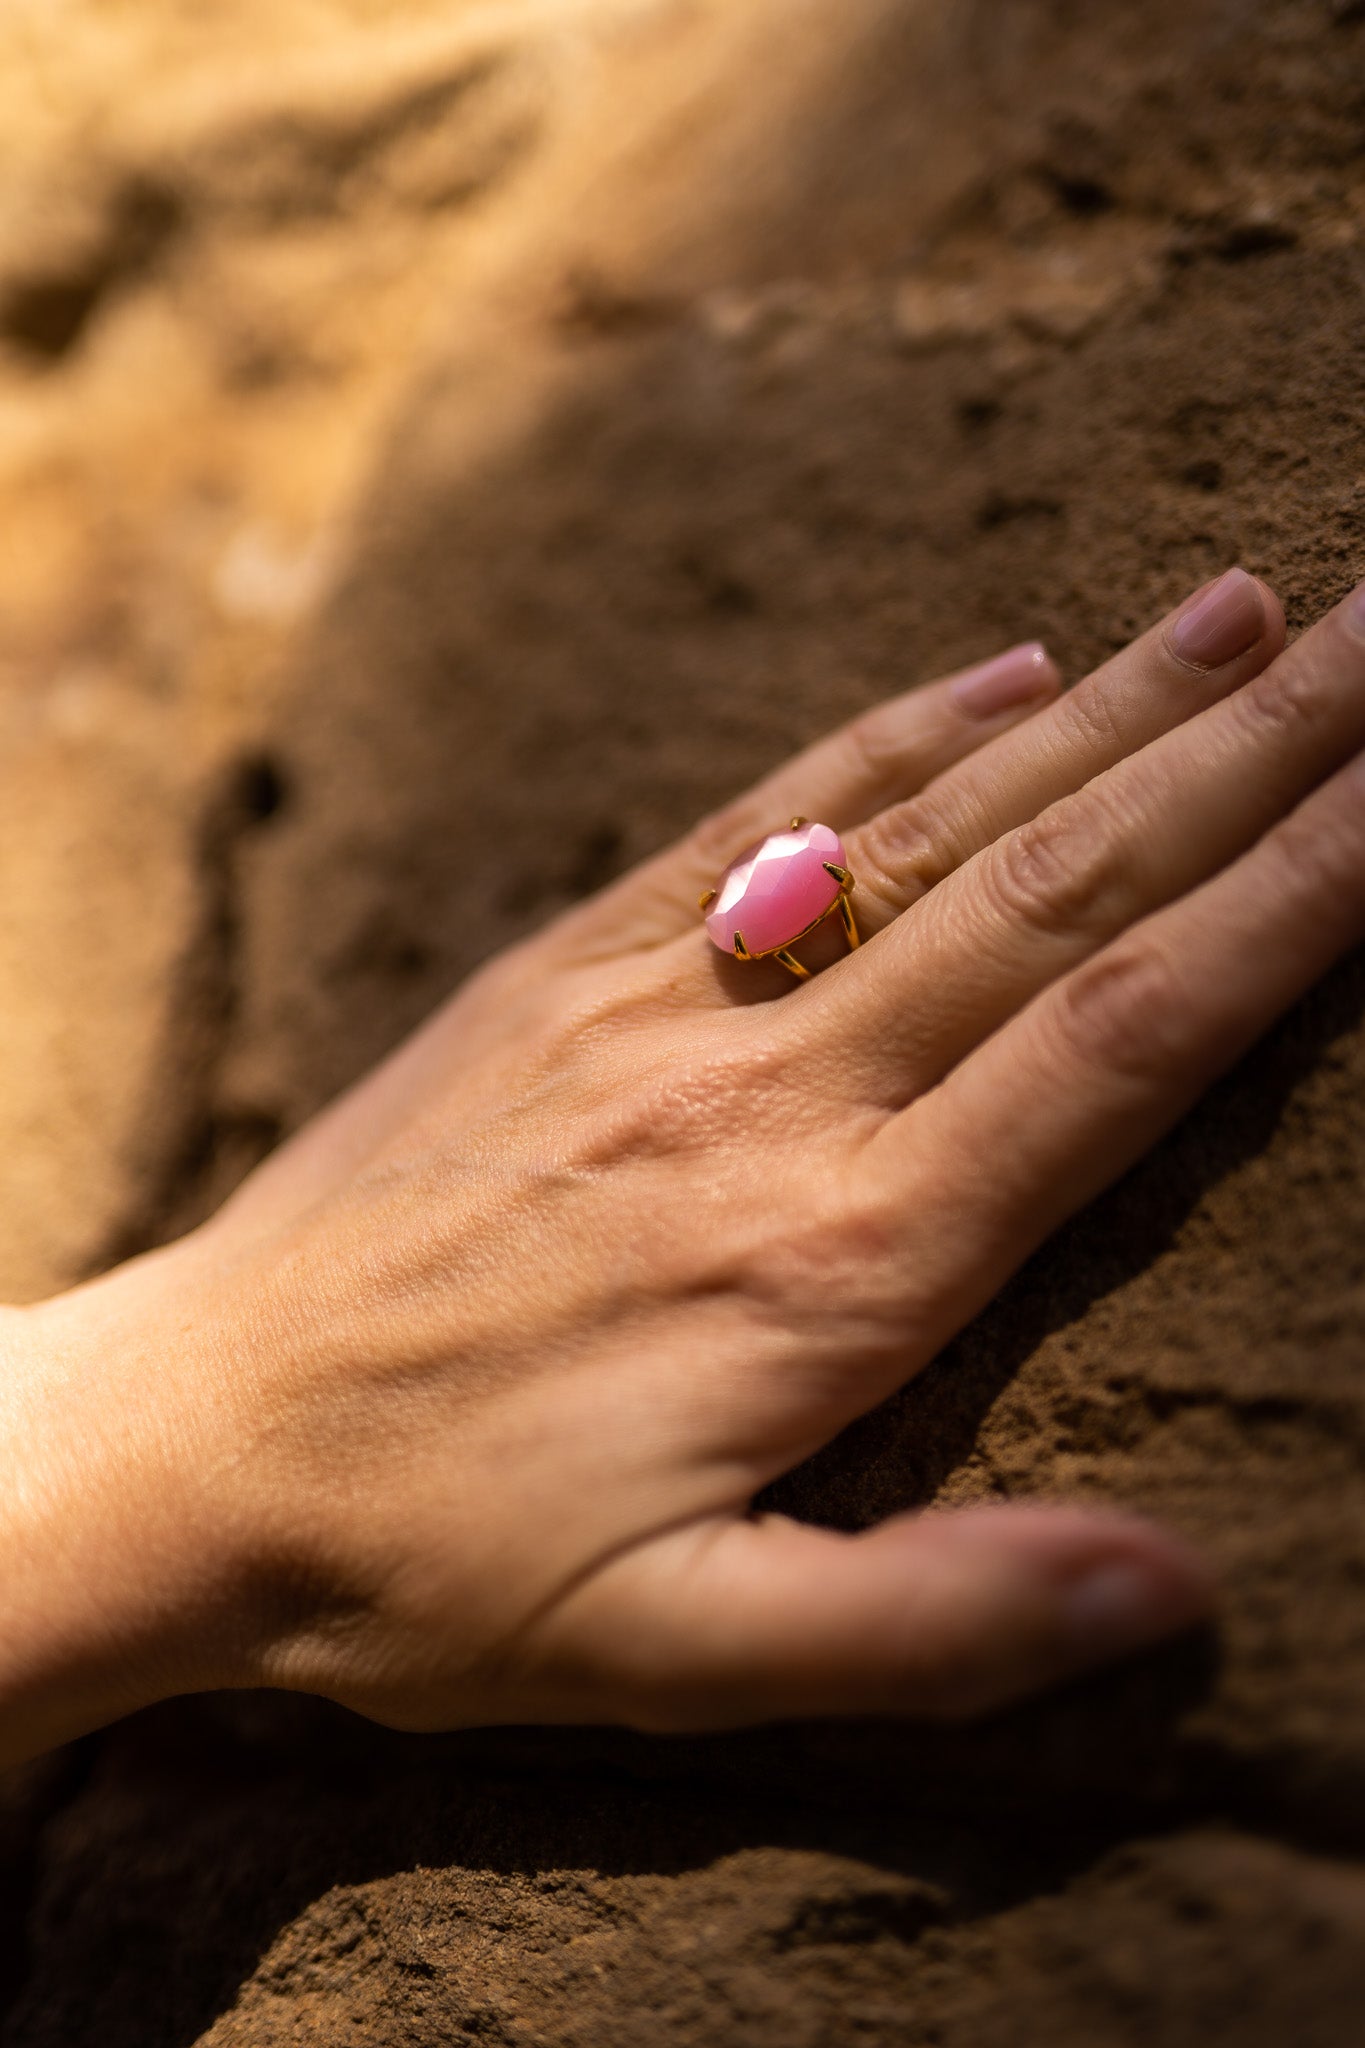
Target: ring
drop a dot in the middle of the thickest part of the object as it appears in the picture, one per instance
(777, 891)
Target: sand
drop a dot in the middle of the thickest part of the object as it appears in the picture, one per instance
(442, 449)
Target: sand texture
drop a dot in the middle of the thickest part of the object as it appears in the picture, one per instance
(442, 449)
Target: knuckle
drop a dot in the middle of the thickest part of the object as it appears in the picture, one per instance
(1097, 719)
(878, 746)
(690, 1102)
(682, 1112)
(834, 1259)
(1060, 871)
(576, 1030)
(1295, 693)
(1313, 859)
(912, 846)
(1127, 1012)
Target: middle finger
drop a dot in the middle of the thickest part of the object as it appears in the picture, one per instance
(1219, 638)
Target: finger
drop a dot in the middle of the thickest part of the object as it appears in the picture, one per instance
(948, 1615)
(1048, 895)
(1187, 662)
(1223, 635)
(1064, 1099)
(879, 758)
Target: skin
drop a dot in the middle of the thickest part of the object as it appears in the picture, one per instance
(455, 1412)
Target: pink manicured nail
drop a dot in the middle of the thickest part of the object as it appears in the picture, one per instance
(1010, 679)
(1220, 622)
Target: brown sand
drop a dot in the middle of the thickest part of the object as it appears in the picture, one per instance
(441, 449)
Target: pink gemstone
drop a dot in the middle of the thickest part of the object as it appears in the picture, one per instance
(777, 889)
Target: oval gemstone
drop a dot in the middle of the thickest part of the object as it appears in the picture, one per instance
(777, 889)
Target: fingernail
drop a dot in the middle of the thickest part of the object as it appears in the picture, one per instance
(1355, 611)
(1120, 1605)
(1010, 679)
(1220, 622)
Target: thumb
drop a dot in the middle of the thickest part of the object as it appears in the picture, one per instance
(946, 1614)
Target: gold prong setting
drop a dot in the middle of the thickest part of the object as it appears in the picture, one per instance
(790, 882)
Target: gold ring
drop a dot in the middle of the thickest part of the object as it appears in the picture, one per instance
(777, 892)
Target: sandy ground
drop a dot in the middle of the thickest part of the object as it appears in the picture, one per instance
(442, 447)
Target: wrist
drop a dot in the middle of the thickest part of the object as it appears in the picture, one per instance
(117, 1575)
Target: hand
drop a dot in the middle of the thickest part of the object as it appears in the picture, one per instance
(454, 1413)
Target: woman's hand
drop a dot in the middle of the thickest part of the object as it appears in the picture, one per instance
(455, 1412)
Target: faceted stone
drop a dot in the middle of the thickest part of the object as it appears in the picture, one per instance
(776, 889)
